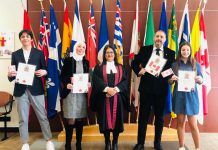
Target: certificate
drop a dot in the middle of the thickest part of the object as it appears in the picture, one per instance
(186, 81)
(80, 83)
(155, 65)
(25, 74)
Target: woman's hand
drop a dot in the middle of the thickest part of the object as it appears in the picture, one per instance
(173, 79)
(199, 79)
(111, 91)
(69, 86)
(40, 72)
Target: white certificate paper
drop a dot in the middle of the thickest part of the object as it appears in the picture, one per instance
(80, 83)
(186, 81)
(155, 65)
(25, 74)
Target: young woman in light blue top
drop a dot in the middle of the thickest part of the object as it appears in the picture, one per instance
(186, 104)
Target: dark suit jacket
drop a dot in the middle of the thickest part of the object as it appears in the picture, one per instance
(67, 71)
(36, 58)
(149, 83)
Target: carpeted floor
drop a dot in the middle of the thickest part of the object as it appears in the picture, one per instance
(40, 145)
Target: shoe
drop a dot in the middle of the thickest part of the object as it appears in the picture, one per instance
(50, 145)
(108, 146)
(25, 147)
(158, 146)
(114, 146)
(182, 148)
(78, 146)
(138, 147)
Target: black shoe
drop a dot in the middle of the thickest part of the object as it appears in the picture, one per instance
(108, 146)
(68, 146)
(138, 147)
(114, 146)
(78, 146)
(158, 146)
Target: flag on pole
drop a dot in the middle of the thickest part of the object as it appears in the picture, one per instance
(44, 35)
(172, 32)
(149, 29)
(78, 34)
(53, 83)
(134, 49)
(118, 39)
(184, 29)
(202, 57)
(26, 25)
(103, 36)
(92, 39)
(195, 34)
(163, 22)
(67, 32)
(164, 27)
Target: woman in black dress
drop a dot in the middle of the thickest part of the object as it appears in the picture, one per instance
(109, 96)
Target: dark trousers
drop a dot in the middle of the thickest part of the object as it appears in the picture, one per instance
(69, 132)
(157, 103)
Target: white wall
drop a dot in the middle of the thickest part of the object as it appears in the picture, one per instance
(11, 21)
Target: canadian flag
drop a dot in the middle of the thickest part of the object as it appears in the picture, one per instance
(202, 57)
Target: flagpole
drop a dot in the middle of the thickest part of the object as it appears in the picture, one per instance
(50, 2)
(34, 38)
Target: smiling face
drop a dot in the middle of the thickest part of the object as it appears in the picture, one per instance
(159, 39)
(109, 55)
(185, 52)
(80, 49)
(25, 39)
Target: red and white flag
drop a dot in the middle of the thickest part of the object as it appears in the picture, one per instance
(202, 57)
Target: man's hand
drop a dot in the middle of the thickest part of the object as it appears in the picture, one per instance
(142, 72)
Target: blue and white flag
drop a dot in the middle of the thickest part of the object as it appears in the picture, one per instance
(163, 22)
(118, 39)
(184, 29)
(103, 36)
(77, 34)
(54, 65)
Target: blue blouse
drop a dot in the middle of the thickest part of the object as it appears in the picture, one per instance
(186, 103)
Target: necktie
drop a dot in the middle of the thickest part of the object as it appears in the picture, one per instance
(158, 51)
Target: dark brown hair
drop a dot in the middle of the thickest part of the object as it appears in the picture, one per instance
(27, 32)
(191, 61)
(104, 53)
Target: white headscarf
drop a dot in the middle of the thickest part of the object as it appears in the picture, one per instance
(75, 55)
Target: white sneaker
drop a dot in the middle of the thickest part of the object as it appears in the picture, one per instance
(182, 148)
(50, 145)
(25, 147)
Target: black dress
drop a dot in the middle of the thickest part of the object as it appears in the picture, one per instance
(98, 98)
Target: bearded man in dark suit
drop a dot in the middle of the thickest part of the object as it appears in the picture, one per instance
(153, 89)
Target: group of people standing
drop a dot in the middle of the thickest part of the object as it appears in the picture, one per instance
(110, 93)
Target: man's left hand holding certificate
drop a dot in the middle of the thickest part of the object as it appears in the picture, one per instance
(25, 74)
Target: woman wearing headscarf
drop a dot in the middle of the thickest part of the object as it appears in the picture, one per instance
(74, 104)
(109, 96)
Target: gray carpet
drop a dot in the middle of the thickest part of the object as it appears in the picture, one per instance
(40, 145)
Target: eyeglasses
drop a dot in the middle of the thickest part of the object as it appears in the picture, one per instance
(109, 52)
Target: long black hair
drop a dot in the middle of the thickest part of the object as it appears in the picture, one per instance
(104, 53)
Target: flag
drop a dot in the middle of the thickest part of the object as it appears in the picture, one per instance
(149, 29)
(195, 34)
(202, 57)
(103, 36)
(67, 32)
(172, 32)
(78, 34)
(164, 27)
(118, 39)
(184, 29)
(163, 22)
(92, 39)
(134, 94)
(53, 83)
(26, 25)
(44, 35)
